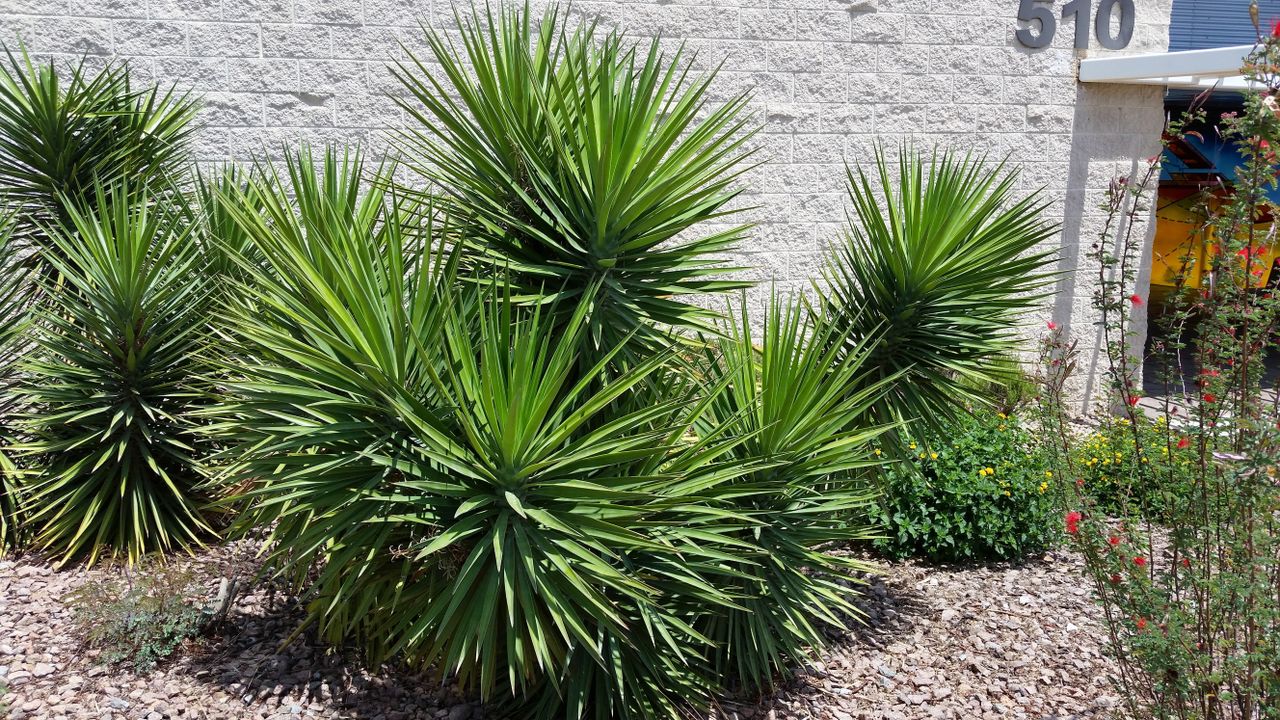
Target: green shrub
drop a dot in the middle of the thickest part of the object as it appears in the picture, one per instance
(114, 382)
(1108, 461)
(141, 620)
(979, 490)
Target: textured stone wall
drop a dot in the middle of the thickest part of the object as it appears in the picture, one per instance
(830, 77)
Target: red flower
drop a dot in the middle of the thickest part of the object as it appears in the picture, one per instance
(1073, 522)
(1209, 398)
(1113, 540)
(1115, 579)
(1183, 443)
(1245, 251)
(1135, 300)
(1140, 561)
(1133, 400)
(1186, 562)
(1275, 28)
(1142, 623)
(1052, 325)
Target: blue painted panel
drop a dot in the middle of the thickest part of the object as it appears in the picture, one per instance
(1200, 24)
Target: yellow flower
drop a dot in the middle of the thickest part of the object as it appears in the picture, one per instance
(1006, 493)
(877, 452)
(921, 456)
(991, 471)
(933, 456)
(1048, 473)
(1002, 416)
(912, 446)
(1043, 486)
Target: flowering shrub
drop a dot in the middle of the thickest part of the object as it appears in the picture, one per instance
(977, 491)
(1111, 468)
(1188, 582)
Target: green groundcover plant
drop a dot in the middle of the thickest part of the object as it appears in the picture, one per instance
(978, 491)
(1148, 476)
(141, 620)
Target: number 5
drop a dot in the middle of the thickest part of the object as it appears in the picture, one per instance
(1027, 12)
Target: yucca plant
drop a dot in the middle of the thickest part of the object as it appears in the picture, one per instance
(935, 272)
(577, 162)
(467, 495)
(63, 130)
(114, 381)
(785, 393)
(15, 295)
(223, 239)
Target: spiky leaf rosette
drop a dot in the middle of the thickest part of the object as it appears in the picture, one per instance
(580, 162)
(785, 394)
(63, 130)
(464, 499)
(15, 295)
(115, 381)
(934, 275)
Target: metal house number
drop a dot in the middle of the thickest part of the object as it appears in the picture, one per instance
(1043, 23)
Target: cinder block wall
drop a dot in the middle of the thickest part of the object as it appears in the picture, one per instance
(830, 77)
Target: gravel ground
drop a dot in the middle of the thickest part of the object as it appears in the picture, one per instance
(998, 642)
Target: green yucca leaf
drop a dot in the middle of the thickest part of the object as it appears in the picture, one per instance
(114, 382)
(935, 274)
(787, 394)
(580, 163)
(64, 130)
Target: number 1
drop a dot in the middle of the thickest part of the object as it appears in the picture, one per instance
(1079, 9)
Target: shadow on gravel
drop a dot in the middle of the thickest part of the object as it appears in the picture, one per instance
(247, 657)
(888, 612)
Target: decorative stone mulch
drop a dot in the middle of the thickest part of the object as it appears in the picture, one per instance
(998, 642)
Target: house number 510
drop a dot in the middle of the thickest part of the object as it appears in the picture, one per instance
(1036, 13)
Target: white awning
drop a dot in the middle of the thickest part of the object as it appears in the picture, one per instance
(1192, 69)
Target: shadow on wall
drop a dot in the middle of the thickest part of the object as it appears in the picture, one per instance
(1115, 128)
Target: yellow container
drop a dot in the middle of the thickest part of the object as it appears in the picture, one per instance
(1184, 243)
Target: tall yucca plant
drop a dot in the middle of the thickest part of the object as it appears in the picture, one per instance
(935, 272)
(63, 130)
(476, 500)
(114, 383)
(580, 163)
(785, 394)
(15, 295)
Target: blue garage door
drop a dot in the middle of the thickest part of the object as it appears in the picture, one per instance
(1200, 24)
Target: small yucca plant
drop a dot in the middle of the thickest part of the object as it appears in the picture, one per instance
(15, 296)
(114, 381)
(785, 396)
(64, 131)
(579, 163)
(935, 273)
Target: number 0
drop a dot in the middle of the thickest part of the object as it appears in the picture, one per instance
(1102, 24)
